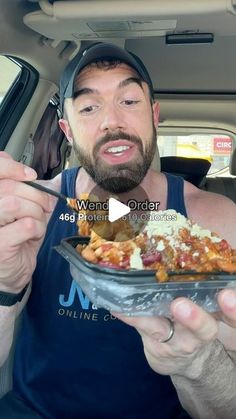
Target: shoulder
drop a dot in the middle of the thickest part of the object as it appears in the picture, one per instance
(54, 184)
(211, 210)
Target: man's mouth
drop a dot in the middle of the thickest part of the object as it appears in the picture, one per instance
(118, 152)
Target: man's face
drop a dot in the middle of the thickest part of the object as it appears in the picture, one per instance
(112, 125)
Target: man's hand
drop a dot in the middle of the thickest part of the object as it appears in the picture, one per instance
(22, 224)
(186, 353)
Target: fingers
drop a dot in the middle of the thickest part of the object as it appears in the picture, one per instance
(192, 323)
(11, 175)
(156, 327)
(193, 318)
(21, 221)
(9, 187)
(13, 208)
(196, 320)
(186, 315)
(20, 232)
(187, 343)
(227, 303)
(195, 334)
(190, 344)
(22, 208)
(9, 168)
(5, 155)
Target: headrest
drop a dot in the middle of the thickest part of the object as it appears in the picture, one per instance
(191, 169)
(232, 163)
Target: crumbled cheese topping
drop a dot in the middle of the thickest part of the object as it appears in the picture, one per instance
(184, 247)
(136, 260)
(160, 246)
(215, 239)
(159, 224)
(168, 223)
(202, 232)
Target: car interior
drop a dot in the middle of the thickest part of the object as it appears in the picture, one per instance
(188, 48)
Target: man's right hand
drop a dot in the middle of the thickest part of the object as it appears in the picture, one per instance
(23, 222)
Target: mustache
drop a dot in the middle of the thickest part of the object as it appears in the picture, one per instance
(119, 135)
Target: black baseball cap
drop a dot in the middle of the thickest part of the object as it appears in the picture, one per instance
(93, 53)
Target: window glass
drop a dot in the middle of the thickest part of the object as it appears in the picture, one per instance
(216, 148)
(9, 71)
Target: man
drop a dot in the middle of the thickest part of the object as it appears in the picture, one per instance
(72, 359)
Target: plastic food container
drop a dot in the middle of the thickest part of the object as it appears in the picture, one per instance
(136, 292)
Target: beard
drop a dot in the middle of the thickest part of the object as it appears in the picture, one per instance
(121, 177)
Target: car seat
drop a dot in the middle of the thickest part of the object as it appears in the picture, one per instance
(191, 169)
(223, 185)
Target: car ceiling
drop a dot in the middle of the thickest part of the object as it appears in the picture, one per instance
(195, 84)
(182, 68)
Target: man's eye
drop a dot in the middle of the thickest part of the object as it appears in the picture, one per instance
(88, 109)
(130, 102)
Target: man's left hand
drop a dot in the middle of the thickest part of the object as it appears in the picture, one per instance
(194, 330)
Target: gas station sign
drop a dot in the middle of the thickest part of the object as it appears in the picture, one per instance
(222, 145)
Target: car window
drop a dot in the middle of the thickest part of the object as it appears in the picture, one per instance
(9, 70)
(214, 147)
(17, 83)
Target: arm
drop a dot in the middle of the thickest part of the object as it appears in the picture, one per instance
(209, 392)
(23, 219)
(215, 400)
(7, 320)
(8, 316)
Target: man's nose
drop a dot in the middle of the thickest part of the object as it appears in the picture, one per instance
(113, 119)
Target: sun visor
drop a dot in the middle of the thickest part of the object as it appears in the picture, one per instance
(85, 28)
(127, 19)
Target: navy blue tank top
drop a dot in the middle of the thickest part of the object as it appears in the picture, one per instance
(75, 361)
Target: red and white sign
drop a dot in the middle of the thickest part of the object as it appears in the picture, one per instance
(222, 145)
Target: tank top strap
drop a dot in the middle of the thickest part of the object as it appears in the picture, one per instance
(68, 184)
(175, 193)
(68, 181)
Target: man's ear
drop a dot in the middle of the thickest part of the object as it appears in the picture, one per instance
(156, 112)
(65, 127)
